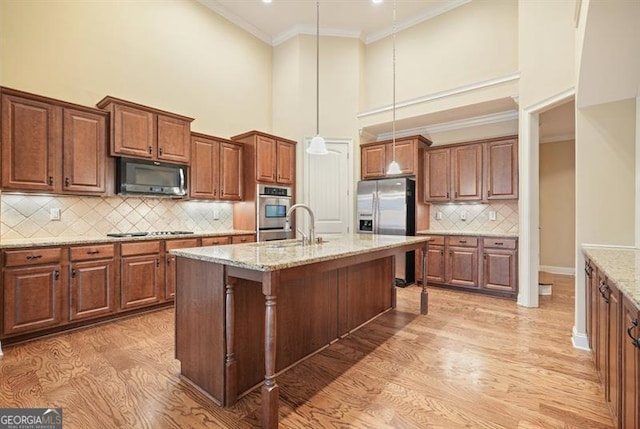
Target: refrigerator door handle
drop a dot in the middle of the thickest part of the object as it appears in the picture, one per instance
(376, 206)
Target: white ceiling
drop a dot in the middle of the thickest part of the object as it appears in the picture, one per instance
(279, 20)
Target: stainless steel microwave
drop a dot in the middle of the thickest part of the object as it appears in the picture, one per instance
(142, 177)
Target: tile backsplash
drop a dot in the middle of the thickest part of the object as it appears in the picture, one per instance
(477, 217)
(27, 216)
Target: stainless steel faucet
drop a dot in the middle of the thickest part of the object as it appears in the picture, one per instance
(309, 238)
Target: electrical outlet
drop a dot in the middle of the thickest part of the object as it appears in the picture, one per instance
(54, 214)
(492, 215)
(438, 215)
(463, 215)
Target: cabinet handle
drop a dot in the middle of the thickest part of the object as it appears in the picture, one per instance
(73, 272)
(456, 194)
(588, 270)
(56, 275)
(50, 180)
(489, 192)
(67, 181)
(32, 257)
(215, 192)
(442, 252)
(447, 195)
(149, 149)
(603, 287)
(93, 252)
(499, 243)
(635, 341)
(160, 151)
(157, 262)
(463, 241)
(169, 259)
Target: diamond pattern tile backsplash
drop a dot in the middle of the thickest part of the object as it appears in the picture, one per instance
(477, 217)
(27, 216)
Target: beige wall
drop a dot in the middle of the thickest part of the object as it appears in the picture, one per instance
(546, 49)
(557, 204)
(176, 55)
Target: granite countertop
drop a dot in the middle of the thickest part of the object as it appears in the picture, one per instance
(622, 265)
(277, 255)
(61, 241)
(468, 233)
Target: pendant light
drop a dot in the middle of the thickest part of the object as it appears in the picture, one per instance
(317, 145)
(394, 167)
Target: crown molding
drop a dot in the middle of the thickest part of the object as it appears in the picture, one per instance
(235, 19)
(493, 118)
(415, 20)
(311, 31)
(442, 94)
(558, 138)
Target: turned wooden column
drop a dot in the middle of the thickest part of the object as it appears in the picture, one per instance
(394, 292)
(424, 296)
(270, 388)
(230, 364)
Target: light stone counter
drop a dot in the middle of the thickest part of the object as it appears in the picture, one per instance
(278, 255)
(468, 233)
(62, 241)
(622, 265)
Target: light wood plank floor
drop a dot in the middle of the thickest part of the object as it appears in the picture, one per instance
(473, 362)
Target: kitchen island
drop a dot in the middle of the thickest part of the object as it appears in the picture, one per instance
(246, 312)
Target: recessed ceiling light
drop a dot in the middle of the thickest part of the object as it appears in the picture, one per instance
(377, 1)
(266, 1)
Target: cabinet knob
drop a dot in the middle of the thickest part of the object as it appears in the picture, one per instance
(149, 149)
(157, 262)
(73, 272)
(67, 181)
(50, 180)
(56, 275)
(160, 151)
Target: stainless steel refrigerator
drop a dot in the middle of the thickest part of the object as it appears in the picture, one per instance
(388, 207)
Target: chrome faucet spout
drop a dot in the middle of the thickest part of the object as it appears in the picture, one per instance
(309, 238)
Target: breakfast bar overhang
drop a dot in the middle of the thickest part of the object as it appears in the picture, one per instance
(308, 297)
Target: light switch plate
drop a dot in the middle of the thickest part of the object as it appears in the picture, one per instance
(438, 215)
(463, 215)
(492, 215)
(54, 214)
(216, 214)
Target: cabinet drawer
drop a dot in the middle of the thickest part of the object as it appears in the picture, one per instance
(500, 243)
(181, 244)
(85, 253)
(14, 258)
(436, 240)
(237, 239)
(215, 241)
(141, 248)
(463, 241)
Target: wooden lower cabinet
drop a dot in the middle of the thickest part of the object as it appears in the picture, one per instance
(613, 356)
(462, 266)
(247, 238)
(500, 261)
(141, 273)
(435, 260)
(34, 292)
(170, 262)
(216, 241)
(630, 377)
(92, 281)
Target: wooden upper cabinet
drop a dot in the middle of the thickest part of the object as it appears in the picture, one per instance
(31, 131)
(85, 151)
(216, 170)
(144, 132)
(52, 146)
(286, 162)
(437, 175)
(466, 172)
(266, 168)
(174, 137)
(501, 169)
(375, 157)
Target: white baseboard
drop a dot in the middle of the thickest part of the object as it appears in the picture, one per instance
(566, 271)
(580, 341)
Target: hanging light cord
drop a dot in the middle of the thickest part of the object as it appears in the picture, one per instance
(393, 123)
(318, 68)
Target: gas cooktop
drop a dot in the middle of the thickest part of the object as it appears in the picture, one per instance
(144, 234)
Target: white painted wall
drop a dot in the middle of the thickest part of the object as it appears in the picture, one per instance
(171, 54)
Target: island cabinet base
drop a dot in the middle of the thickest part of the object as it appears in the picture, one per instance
(220, 318)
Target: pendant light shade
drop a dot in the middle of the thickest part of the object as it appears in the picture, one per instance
(317, 146)
(394, 167)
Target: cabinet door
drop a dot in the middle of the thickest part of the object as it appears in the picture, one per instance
(174, 139)
(204, 168)
(33, 298)
(140, 281)
(404, 156)
(84, 158)
(435, 264)
(499, 270)
(133, 132)
(92, 289)
(266, 170)
(462, 266)
(502, 169)
(373, 161)
(170, 262)
(230, 171)
(466, 172)
(237, 239)
(31, 133)
(613, 352)
(590, 291)
(216, 241)
(437, 175)
(286, 163)
(630, 388)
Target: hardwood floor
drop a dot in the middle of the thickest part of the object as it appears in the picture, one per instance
(473, 362)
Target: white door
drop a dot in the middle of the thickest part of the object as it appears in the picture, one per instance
(328, 185)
